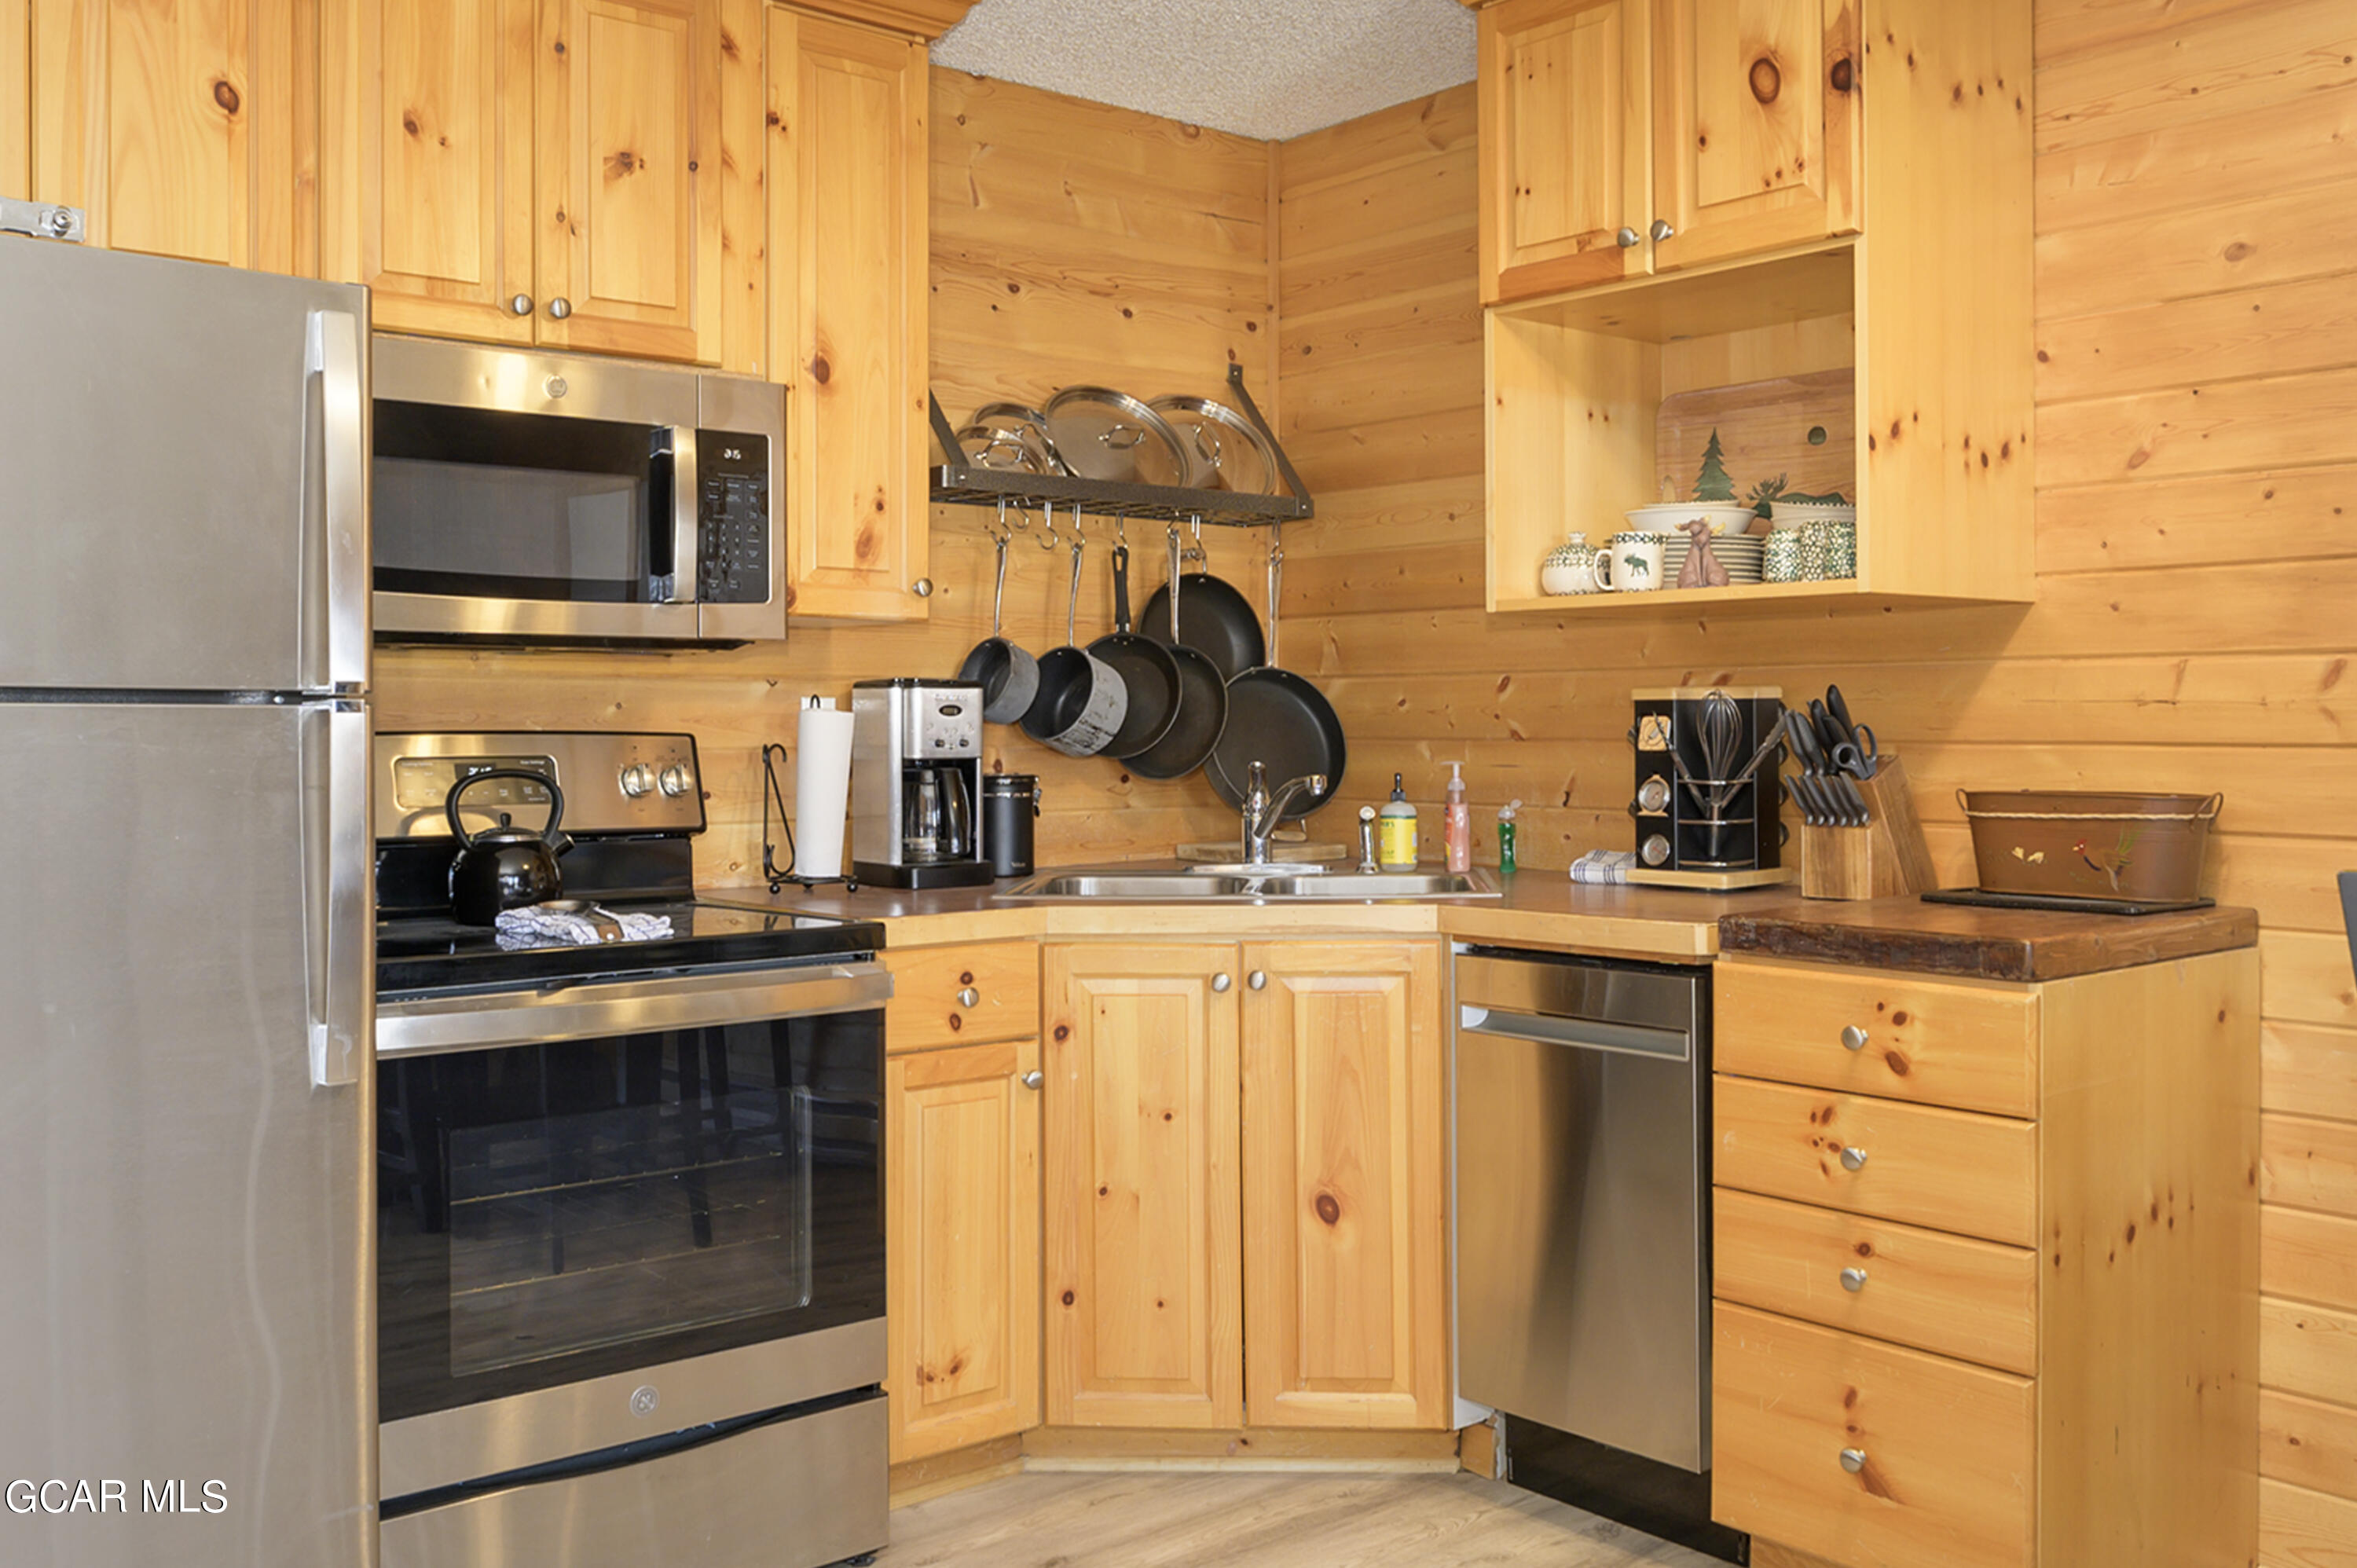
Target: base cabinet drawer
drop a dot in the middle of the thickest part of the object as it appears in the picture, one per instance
(1949, 1170)
(1976, 1301)
(1883, 1032)
(1869, 1456)
(961, 996)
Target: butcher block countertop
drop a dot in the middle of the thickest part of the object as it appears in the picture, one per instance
(1539, 908)
(1985, 944)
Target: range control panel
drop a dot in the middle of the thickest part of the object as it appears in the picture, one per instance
(613, 783)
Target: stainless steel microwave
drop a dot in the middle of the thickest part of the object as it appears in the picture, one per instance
(524, 497)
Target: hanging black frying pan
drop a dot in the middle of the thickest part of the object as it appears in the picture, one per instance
(1202, 714)
(1145, 666)
(1216, 620)
(1279, 719)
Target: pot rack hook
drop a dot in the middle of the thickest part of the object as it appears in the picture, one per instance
(1002, 532)
(1047, 540)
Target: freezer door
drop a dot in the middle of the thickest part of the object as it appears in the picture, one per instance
(183, 475)
(185, 1253)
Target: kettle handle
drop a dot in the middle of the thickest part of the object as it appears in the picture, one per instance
(548, 835)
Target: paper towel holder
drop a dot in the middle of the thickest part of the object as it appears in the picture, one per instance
(773, 797)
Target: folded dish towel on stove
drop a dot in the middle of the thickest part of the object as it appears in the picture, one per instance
(1604, 865)
(533, 926)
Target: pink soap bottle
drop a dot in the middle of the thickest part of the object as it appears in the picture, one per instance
(1457, 822)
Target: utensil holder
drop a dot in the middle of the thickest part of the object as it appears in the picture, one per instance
(1883, 859)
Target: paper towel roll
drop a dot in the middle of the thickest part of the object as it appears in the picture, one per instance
(821, 788)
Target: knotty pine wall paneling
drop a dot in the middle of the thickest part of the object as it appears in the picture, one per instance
(1070, 242)
(2196, 193)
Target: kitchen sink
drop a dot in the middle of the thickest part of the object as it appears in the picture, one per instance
(1197, 885)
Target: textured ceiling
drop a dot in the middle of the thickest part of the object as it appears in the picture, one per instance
(1270, 69)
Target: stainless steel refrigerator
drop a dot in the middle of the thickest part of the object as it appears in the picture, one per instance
(187, 1306)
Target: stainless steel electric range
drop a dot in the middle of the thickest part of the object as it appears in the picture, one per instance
(631, 1280)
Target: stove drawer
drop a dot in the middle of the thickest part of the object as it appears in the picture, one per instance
(961, 996)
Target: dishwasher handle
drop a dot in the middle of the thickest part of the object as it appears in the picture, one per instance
(1587, 1034)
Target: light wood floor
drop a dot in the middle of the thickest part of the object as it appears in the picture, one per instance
(1196, 1520)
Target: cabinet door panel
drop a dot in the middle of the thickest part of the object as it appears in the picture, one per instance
(1755, 124)
(15, 100)
(847, 280)
(1565, 144)
(962, 1212)
(173, 127)
(427, 162)
(1143, 1297)
(1345, 1243)
(629, 128)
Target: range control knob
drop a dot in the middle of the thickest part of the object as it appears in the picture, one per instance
(637, 778)
(673, 781)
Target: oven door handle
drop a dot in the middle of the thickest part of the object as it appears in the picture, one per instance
(433, 1024)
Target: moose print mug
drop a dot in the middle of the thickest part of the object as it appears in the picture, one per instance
(1631, 564)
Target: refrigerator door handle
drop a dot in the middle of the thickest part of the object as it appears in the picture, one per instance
(686, 571)
(339, 967)
(332, 353)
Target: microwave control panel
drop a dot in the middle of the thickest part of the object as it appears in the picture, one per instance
(732, 522)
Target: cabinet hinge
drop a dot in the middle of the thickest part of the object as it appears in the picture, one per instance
(41, 219)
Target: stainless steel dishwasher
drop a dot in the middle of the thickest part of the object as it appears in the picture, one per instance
(1582, 1277)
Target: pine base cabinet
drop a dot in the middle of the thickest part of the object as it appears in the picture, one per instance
(962, 1197)
(1985, 1269)
(1245, 1180)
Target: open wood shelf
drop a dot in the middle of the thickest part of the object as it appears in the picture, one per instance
(1670, 599)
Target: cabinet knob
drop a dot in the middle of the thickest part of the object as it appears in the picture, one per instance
(1258, 979)
(969, 997)
(1853, 1157)
(1852, 1460)
(1034, 1078)
(922, 587)
(560, 307)
(1853, 1038)
(1661, 230)
(1626, 237)
(1853, 1279)
(1220, 983)
(520, 305)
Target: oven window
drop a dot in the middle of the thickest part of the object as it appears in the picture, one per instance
(519, 506)
(548, 1213)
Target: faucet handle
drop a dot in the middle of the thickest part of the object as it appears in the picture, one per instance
(1256, 778)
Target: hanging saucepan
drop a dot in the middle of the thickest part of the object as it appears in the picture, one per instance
(1145, 667)
(1202, 698)
(1217, 621)
(1278, 718)
(1009, 676)
(1082, 701)
(504, 867)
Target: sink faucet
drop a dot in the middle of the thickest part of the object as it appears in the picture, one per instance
(1264, 810)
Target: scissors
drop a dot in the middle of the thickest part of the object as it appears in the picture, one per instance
(1851, 747)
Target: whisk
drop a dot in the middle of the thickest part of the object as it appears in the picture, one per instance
(1719, 731)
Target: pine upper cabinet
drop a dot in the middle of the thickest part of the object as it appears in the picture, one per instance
(963, 1226)
(15, 100)
(1566, 145)
(542, 173)
(173, 127)
(847, 280)
(1143, 1302)
(1345, 1175)
(1756, 126)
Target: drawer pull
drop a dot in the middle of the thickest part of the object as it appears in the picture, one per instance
(1853, 1157)
(969, 997)
(1852, 1460)
(1853, 1038)
(1853, 1279)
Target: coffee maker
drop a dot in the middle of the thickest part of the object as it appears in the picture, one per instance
(916, 784)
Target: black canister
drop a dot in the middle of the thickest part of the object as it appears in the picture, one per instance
(1009, 802)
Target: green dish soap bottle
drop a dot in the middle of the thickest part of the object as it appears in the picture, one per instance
(1506, 837)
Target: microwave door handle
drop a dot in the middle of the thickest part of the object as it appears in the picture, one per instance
(686, 569)
(332, 352)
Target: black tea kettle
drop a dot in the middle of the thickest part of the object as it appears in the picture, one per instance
(504, 867)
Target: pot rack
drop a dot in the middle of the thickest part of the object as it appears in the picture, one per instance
(960, 482)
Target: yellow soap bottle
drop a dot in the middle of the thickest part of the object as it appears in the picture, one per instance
(1398, 828)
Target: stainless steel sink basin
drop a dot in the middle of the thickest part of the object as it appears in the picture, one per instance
(1199, 885)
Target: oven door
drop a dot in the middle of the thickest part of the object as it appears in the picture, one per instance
(665, 1210)
(523, 495)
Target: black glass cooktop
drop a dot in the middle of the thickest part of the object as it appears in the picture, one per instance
(422, 953)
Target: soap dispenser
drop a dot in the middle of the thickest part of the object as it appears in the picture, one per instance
(1398, 826)
(1457, 822)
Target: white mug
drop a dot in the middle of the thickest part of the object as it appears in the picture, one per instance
(1631, 563)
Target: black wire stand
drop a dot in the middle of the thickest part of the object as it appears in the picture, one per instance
(773, 795)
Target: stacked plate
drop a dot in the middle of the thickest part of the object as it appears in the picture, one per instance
(1738, 553)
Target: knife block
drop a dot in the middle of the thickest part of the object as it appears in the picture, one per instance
(1883, 859)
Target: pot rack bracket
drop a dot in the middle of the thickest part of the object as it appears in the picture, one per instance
(959, 482)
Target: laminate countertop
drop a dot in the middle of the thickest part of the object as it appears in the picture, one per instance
(1985, 944)
(1538, 909)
